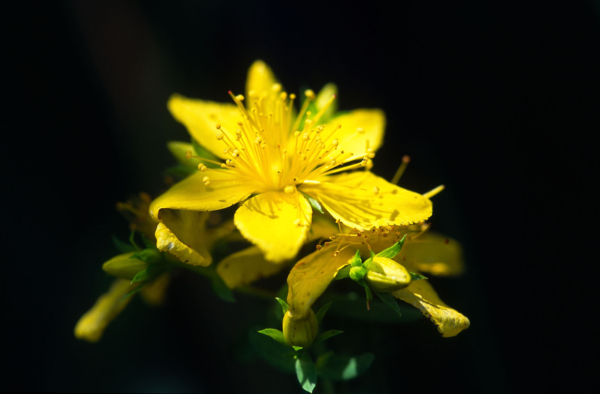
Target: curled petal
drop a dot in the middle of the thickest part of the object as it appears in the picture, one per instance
(421, 295)
(192, 194)
(91, 326)
(182, 234)
(244, 267)
(362, 201)
(361, 129)
(310, 277)
(201, 118)
(434, 254)
(276, 222)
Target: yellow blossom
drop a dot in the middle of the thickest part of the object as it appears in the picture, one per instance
(285, 162)
(310, 276)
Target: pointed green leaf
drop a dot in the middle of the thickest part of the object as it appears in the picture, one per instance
(306, 372)
(283, 304)
(205, 154)
(390, 301)
(271, 351)
(313, 203)
(331, 366)
(297, 348)
(151, 256)
(356, 260)
(322, 311)
(393, 250)
(121, 246)
(416, 276)
(275, 334)
(327, 334)
(343, 273)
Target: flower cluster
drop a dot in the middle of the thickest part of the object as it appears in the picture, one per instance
(281, 165)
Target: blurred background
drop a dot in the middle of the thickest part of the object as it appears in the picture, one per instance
(497, 100)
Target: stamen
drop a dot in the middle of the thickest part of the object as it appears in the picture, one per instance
(433, 192)
(401, 169)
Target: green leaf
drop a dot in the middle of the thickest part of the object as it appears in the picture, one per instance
(151, 256)
(330, 366)
(327, 334)
(393, 250)
(283, 304)
(306, 372)
(271, 351)
(220, 288)
(416, 276)
(390, 301)
(322, 311)
(343, 273)
(121, 246)
(297, 348)
(275, 334)
(313, 203)
(180, 171)
(206, 154)
(356, 260)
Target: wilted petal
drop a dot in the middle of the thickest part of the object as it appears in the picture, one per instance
(182, 234)
(434, 254)
(310, 277)
(244, 267)
(421, 295)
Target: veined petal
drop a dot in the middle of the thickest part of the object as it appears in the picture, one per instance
(362, 200)
(276, 222)
(260, 79)
(310, 277)
(182, 234)
(91, 326)
(359, 128)
(421, 295)
(434, 254)
(244, 267)
(201, 117)
(192, 194)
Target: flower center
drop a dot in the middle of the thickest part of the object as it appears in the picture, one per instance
(280, 151)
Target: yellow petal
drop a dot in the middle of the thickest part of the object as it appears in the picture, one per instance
(182, 234)
(310, 277)
(260, 79)
(91, 326)
(421, 295)
(191, 194)
(360, 128)
(352, 199)
(276, 222)
(321, 228)
(433, 253)
(244, 267)
(155, 292)
(201, 118)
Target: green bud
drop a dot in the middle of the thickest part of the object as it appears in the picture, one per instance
(385, 275)
(300, 332)
(123, 266)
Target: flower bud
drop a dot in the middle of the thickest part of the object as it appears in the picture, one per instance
(122, 266)
(385, 275)
(300, 332)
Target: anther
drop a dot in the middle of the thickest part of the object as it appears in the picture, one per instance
(220, 136)
(218, 126)
(239, 97)
(206, 180)
(188, 154)
(289, 189)
(375, 190)
(309, 94)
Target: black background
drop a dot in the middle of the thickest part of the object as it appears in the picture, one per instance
(497, 100)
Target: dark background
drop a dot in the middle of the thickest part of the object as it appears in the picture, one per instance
(497, 100)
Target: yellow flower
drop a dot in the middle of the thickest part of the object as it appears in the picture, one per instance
(310, 276)
(287, 163)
